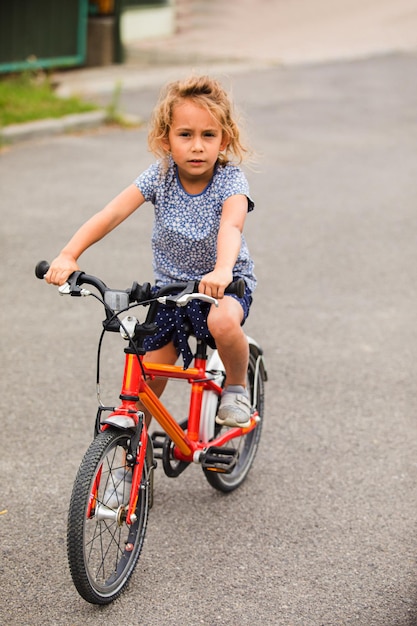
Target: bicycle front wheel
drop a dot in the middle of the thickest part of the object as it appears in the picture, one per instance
(246, 445)
(102, 549)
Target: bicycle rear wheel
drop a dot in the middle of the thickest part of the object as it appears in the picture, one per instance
(102, 549)
(246, 445)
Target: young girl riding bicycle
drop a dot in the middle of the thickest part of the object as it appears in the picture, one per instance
(201, 200)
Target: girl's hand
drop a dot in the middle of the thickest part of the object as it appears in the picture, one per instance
(214, 283)
(60, 269)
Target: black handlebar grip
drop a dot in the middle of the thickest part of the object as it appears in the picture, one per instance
(237, 287)
(41, 268)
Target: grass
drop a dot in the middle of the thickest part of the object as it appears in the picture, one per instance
(30, 97)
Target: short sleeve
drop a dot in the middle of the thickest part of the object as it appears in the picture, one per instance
(234, 182)
(147, 182)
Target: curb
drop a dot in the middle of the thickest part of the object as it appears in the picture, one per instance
(16, 133)
(155, 56)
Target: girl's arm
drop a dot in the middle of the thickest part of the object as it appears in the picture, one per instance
(92, 231)
(229, 241)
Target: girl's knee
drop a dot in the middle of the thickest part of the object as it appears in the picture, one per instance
(224, 326)
(227, 318)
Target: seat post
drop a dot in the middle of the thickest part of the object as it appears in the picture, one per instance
(197, 388)
(201, 349)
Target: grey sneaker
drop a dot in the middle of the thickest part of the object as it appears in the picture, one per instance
(234, 409)
(118, 488)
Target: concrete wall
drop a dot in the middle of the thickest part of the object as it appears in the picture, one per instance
(147, 22)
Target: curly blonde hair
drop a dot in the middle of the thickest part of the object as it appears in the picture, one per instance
(208, 93)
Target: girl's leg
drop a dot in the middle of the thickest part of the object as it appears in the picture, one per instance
(167, 354)
(224, 323)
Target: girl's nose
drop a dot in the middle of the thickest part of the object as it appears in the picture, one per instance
(197, 144)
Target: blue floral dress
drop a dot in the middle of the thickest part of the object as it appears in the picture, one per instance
(184, 242)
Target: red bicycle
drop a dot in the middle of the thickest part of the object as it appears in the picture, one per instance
(113, 489)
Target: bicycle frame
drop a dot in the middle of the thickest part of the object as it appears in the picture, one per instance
(187, 443)
(187, 446)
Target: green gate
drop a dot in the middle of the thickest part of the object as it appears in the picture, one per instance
(42, 34)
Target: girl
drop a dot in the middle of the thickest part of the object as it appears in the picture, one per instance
(201, 200)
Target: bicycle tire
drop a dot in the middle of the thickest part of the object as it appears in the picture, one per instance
(247, 445)
(103, 553)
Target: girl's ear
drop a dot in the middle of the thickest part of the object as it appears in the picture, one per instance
(165, 144)
(225, 142)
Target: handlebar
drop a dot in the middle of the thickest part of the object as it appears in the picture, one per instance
(120, 299)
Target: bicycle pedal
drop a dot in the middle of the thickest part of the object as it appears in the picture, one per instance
(218, 459)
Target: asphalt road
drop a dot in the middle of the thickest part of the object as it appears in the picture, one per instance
(323, 532)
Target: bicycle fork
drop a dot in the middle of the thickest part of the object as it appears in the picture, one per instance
(128, 418)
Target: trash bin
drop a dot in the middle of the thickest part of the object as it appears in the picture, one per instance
(103, 38)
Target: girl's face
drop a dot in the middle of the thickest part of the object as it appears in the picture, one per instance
(194, 140)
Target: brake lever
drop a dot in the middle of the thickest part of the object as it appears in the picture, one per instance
(185, 298)
(67, 290)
